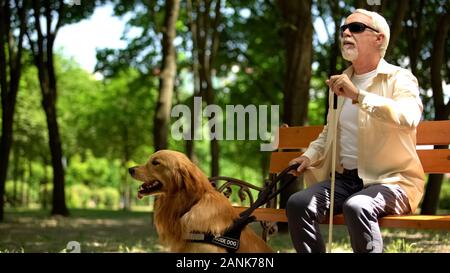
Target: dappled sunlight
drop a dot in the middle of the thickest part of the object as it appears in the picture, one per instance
(132, 232)
(51, 234)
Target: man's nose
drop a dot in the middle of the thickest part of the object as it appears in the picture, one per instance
(346, 33)
(131, 170)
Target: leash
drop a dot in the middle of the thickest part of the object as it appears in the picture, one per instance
(230, 239)
(266, 195)
(333, 175)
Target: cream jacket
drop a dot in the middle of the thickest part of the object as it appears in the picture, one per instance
(389, 112)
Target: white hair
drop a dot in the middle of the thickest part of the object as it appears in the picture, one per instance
(380, 24)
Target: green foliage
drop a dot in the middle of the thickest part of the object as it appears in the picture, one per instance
(24, 192)
(30, 128)
(92, 171)
(68, 14)
(108, 198)
(78, 196)
(400, 246)
(143, 51)
(82, 196)
(114, 124)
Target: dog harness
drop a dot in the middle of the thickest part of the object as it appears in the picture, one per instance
(230, 239)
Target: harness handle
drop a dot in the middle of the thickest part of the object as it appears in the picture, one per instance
(265, 195)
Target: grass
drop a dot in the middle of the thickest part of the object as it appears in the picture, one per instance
(119, 231)
(95, 230)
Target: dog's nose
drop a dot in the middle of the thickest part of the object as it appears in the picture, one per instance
(131, 170)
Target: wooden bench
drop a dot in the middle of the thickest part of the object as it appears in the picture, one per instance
(294, 140)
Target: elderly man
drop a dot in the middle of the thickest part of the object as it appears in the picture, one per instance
(378, 171)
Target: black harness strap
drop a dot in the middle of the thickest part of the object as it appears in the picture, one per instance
(229, 243)
(266, 195)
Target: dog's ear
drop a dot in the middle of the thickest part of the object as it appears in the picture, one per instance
(191, 178)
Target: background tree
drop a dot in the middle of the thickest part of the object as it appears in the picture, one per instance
(425, 54)
(207, 16)
(48, 17)
(12, 31)
(298, 33)
(167, 76)
(442, 109)
(29, 130)
(298, 42)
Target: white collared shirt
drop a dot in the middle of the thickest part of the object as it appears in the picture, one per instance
(348, 123)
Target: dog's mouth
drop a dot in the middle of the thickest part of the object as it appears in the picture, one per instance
(149, 188)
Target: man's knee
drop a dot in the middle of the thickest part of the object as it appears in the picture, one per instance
(297, 204)
(356, 206)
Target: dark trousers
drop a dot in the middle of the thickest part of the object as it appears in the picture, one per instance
(362, 206)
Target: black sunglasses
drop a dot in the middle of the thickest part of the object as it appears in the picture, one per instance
(356, 27)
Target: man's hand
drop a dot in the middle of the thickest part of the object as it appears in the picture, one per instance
(304, 163)
(341, 85)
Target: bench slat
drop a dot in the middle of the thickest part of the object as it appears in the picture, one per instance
(403, 221)
(433, 132)
(298, 137)
(280, 160)
(433, 161)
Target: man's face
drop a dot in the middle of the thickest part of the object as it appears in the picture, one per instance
(359, 45)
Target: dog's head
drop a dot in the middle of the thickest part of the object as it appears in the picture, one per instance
(168, 172)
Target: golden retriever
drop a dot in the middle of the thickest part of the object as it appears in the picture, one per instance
(187, 202)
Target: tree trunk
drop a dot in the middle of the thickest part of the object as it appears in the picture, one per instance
(126, 192)
(431, 199)
(15, 177)
(10, 62)
(265, 165)
(210, 97)
(22, 187)
(414, 34)
(43, 183)
(167, 77)
(49, 103)
(5, 148)
(207, 39)
(30, 177)
(396, 28)
(298, 43)
(190, 144)
(126, 158)
(43, 57)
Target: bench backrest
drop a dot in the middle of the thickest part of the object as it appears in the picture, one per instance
(294, 140)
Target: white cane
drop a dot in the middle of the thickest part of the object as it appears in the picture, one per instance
(333, 176)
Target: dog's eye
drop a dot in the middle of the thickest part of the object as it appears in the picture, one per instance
(155, 162)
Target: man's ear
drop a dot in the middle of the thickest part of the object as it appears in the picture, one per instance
(380, 38)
